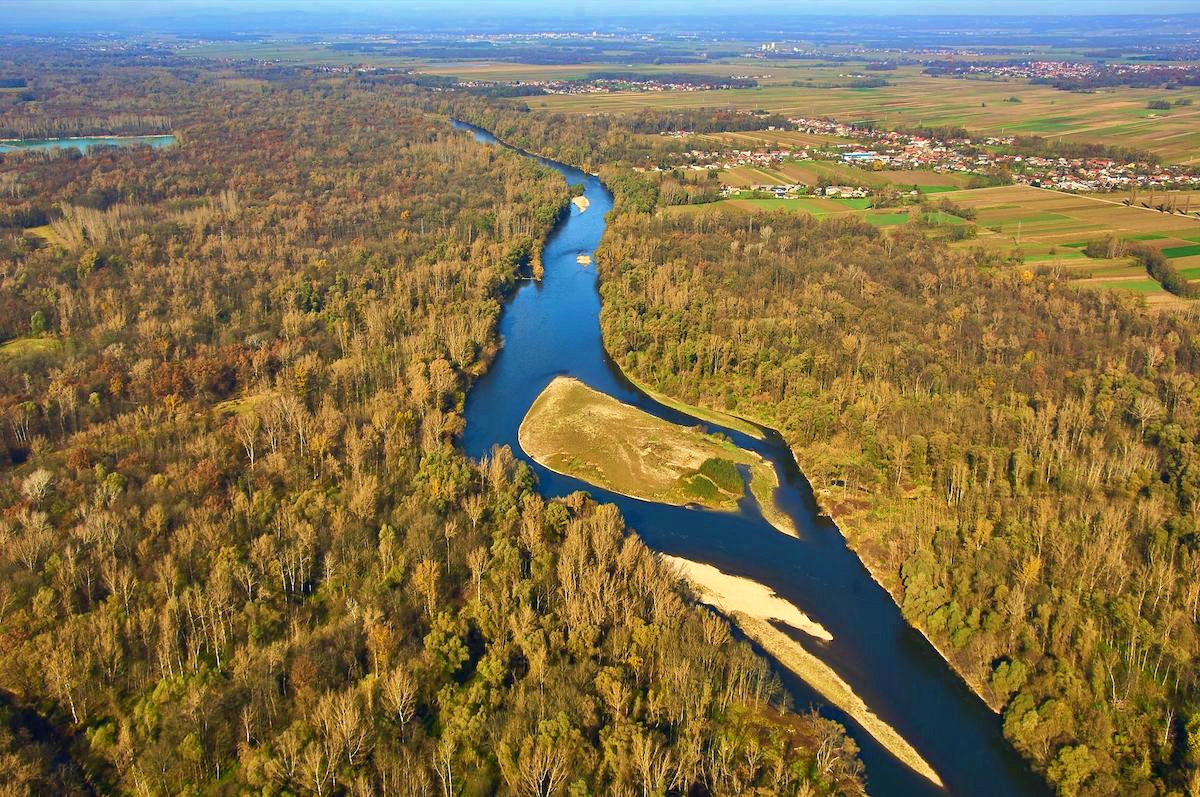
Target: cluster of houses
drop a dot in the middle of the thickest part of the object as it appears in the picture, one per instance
(903, 151)
(895, 150)
(1071, 72)
(601, 85)
(797, 190)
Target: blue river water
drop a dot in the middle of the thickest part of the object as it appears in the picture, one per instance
(552, 328)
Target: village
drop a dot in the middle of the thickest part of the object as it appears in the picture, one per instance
(875, 150)
(1070, 73)
(602, 84)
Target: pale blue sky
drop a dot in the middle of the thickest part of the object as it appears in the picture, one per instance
(599, 8)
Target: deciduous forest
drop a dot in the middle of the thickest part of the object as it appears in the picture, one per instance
(239, 551)
(1014, 459)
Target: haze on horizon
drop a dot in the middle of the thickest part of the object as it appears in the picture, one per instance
(101, 10)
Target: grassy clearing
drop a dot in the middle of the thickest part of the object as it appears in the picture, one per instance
(29, 347)
(47, 234)
(752, 607)
(1055, 257)
(580, 432)
(886, 219)
(245, 404)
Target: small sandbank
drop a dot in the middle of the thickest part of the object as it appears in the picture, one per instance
(737, 594)
(583, 260)
(752, 607)
(581, 202)
(821, 677)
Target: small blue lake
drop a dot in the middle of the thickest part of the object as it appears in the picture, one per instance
(83, 144)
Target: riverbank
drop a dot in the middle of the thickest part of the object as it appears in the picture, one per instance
(846, 522)
(703, 413)
(846, 525)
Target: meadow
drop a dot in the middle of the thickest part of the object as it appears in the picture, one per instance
(810, 172)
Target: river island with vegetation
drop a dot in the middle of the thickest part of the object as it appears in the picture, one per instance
(581, 432)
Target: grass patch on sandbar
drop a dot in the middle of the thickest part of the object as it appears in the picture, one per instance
(703, 413)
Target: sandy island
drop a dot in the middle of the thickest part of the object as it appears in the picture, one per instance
(577, 431)
(581, 202)
(583, 260)
(751, 606)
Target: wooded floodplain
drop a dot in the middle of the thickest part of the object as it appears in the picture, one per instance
(239, 551)
(1014, 459)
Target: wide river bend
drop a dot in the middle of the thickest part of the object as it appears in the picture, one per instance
(552, 328)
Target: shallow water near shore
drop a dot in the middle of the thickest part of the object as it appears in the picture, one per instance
(551, 328)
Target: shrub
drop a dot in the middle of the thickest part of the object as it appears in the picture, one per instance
(724, 474)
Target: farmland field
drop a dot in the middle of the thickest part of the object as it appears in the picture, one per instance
(1118, 116)
(811, 206)
(1042, 222)
(1051, 228)
(810, 171)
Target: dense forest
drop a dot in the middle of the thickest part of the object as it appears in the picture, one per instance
(239, 551)
(1015, 460)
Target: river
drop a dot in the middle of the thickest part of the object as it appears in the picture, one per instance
(551, 328)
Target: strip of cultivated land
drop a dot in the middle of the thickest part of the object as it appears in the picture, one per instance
(1046, 228)
(1117, 116)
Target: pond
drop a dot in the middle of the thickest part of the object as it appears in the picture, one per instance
(84, 143)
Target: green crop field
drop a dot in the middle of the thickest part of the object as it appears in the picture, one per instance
(886, 219)
(1181, 251)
